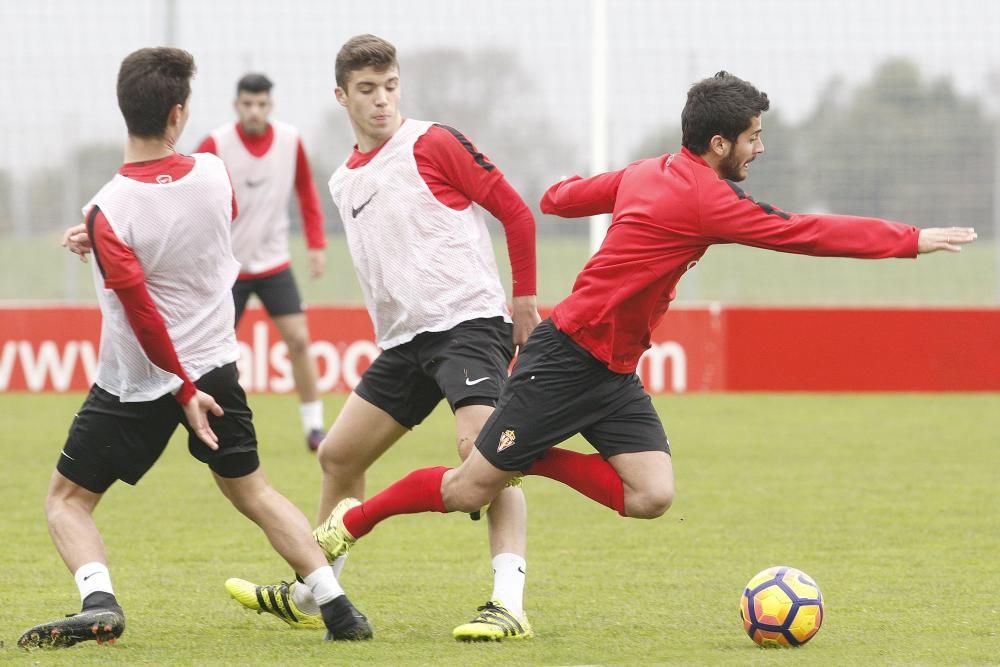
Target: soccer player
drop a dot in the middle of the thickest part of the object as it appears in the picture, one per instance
(159, 232)
(266, 160)
(576, 374)
(429, 278)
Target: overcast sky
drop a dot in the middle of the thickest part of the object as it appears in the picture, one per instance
(59, 58)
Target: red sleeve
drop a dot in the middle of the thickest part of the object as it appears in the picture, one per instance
(519, 226)
(578, 197)
(312, 212)
(207, 146)
(458, 174)
(731, 215)
(119, 266)
(123, 273)
(454, 170)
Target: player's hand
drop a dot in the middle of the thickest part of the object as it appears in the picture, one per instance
(944, 238)
(524, 312)
(317, 262)
(76, 240)
(196, 411)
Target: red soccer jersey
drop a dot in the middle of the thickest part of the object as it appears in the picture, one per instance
(666, 212)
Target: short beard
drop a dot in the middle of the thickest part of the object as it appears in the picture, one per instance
(732, 169)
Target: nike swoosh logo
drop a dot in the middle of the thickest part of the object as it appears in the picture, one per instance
(254, 184)
(355, 212)
(472, 382)
(520, 569)
(89, 576)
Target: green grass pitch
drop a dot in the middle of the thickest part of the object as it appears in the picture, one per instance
(889, 501)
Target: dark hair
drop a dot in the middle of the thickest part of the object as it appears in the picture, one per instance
(723, 104)
(254, 83)
(151, 82)
(363, 51)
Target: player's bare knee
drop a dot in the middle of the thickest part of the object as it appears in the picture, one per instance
(649, 503)
(334, 459)
(54, 506)
(298, 343)
(460, 495)
(465, 444)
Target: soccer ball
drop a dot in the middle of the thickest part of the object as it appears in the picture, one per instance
(781, 606)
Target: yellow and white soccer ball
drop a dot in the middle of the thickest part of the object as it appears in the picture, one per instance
(781, 606)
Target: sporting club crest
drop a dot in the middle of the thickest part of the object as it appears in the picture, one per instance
(506, 440)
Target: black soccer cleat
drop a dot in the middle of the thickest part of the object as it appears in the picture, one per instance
(104, 625)
(344, 622)
(314, 439)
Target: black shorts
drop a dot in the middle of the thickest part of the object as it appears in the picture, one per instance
(557, 390)
(278, 292)
(466, 364)
(111, 440)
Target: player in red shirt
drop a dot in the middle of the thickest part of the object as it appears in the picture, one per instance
(159, 232)
(407, 195)
(267, 161)
(576, 374)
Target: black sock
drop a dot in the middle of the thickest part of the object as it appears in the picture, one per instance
(101, 600)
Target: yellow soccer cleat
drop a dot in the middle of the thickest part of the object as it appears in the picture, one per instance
(275, 599)
(493, 624)
(331, 535)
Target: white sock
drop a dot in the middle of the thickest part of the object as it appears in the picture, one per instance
(338, 565)
(324, 585)
(312, 416)
(303, 598)
(91, 578)
(508, 582)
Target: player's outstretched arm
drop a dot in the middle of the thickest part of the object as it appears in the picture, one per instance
(944, 238)
(577, 197)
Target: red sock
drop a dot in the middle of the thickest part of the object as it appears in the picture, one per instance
(589, 474)
(420, 491)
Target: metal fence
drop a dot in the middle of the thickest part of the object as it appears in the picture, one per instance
(880, 108)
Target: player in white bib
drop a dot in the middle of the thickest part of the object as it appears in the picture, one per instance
(267, 160)
(163, 268)
(409, 196)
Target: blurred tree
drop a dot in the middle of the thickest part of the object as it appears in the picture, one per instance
(95, 164)
(6, 203)
(46, 197)
(901, 148)
(56, 194)
(896, 147)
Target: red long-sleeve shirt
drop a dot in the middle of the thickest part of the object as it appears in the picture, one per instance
(458, 174)
(666, 212)
(305, 188)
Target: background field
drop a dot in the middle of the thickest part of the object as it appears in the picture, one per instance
(890, 503)
(728, 274)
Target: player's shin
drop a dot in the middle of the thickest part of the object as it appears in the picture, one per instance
(420, 491)
(589, 474)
